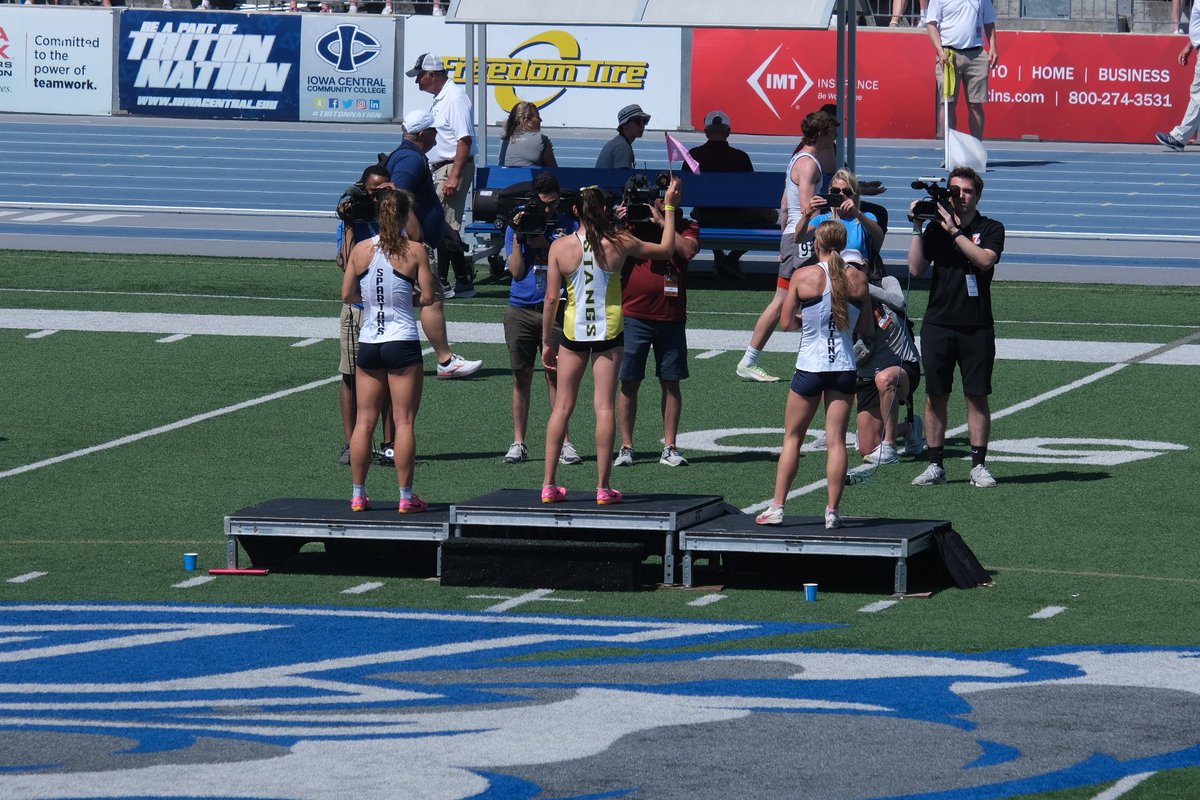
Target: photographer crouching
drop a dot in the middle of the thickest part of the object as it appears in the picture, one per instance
(958, 329)
(532, 224)
(654, 305)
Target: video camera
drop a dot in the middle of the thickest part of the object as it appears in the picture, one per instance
(927, 209)
(640, 194)
(531, 210)
(357, 205)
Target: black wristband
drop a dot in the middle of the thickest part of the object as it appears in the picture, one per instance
(958, 233)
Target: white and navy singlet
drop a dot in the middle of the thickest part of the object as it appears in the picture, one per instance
(593, 312)
(823, 346)
(387, 302)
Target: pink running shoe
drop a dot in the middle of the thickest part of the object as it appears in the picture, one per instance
(554, 494)
(414, 506)
(362, 503)
(607, 497)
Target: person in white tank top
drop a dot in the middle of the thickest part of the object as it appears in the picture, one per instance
(589, 263)
(804, 179)
(390, 276)
(827, 302)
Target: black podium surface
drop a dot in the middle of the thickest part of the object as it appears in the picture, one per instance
(639, 515)
(278, 528)
(859, 536)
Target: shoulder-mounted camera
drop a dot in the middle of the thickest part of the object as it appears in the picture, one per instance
(639, 195)
(938, 195)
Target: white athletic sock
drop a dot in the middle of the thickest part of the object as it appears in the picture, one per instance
(751, 357)
(360, 490)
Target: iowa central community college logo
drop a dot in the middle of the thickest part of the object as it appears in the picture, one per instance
(551, 61)
(780, 81)
(347, 47)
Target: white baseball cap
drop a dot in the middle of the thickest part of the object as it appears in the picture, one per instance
(417, 120)
(426, 62)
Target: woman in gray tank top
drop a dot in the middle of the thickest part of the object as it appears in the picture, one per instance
(523, 143)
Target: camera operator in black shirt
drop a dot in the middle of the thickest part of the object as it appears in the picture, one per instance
(964, 248)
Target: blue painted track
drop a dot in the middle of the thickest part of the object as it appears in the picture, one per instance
(1063, 204)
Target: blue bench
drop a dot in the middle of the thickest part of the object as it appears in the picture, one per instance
(748, 190)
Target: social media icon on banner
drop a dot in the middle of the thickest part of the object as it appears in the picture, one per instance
(375, 105)
(319, 102)
(333, 102)
(360, 104)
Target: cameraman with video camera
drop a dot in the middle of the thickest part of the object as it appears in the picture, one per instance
(533, 223)
(958, 329)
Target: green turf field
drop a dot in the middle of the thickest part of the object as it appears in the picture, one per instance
(119, 452)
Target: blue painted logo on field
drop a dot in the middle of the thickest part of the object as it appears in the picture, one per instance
(348, 47)
(142, 701)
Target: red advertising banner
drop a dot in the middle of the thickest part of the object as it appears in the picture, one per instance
(1078, 87)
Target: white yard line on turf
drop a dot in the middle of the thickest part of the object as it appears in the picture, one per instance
(1033, 401)
(369, 586)
(199, 580)
(1122, 786)
(28, 576)
(172, 426)
(707, 600)
(1048, 612)
(877, 606)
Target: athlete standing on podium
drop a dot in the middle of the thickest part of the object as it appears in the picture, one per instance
(390, 276)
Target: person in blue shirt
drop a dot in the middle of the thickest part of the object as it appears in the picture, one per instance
(526, 258)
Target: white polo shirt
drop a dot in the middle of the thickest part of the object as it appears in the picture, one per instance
(453, 118)
(960, 22)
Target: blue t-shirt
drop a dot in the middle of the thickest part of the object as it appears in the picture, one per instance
(410, 170)
(531, 290)
(856, 236)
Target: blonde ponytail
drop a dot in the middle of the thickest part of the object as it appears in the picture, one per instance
(829, 241)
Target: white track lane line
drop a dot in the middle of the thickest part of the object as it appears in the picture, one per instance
(173, 426)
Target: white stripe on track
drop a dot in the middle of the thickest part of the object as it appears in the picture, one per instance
(172, 426)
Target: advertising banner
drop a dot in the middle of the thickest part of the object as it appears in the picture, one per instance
(768, 80)
(578, 76)
(1053, 86)
(56, 60)
(209, 64)
(347, 68)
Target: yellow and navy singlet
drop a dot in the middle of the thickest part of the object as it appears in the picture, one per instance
(593, 311)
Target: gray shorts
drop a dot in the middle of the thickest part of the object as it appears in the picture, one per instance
(792, 256)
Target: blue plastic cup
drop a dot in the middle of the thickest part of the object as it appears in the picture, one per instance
(189, 561)
(810, 592)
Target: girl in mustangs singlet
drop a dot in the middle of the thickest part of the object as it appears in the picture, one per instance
(589, 265)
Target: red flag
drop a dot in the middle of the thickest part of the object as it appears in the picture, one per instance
(677, 152)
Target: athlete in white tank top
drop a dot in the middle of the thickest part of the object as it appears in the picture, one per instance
(823, 346)
(387, 302)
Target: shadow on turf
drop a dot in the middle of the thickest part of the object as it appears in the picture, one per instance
(1058, 476)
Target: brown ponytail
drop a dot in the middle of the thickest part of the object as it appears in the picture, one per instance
(829, 242)
(394, 206)
(597, 220)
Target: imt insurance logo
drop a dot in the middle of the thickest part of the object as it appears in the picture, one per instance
(780, 81)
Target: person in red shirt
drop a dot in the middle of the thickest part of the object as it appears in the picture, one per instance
(654, 305)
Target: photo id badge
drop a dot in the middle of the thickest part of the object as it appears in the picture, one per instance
(539, 277)
(670, 285)
(972, 286)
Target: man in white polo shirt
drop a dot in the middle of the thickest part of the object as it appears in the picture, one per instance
(961, 27)
(1178, 138)
(452, 160)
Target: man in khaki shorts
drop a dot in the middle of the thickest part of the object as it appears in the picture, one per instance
(961, 27)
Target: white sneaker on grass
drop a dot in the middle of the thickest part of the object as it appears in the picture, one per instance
(932, 474)
(569, 455)
(517, 453)
(981, 477)
(458, 367)
(624, 458)
(672, 457)
(883, 455)
(753, 372)
(832, 520)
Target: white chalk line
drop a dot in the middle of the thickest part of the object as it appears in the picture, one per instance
(169, 427)
(1123, 786)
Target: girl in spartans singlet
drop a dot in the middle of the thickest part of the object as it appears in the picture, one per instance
(593, 312)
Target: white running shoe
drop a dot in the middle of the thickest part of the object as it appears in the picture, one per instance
(458, 367)
(914, 442)
(624, 458)
(516, 453)
(672, 457)
(932, 474)
(753, 372)
(569, 455)
(832, 520)
(981, 477)
(772, 516)
(883, 455)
